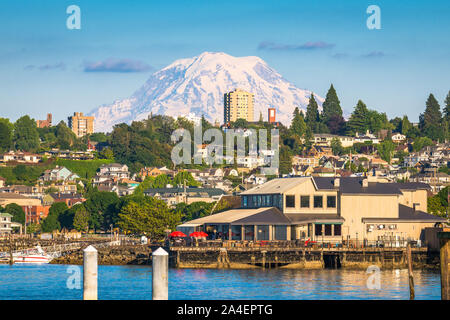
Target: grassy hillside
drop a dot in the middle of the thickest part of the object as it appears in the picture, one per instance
(86, 169)
(24, 174)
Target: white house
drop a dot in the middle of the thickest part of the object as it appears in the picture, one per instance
(115, 170)
(5, 223)
(398, 138)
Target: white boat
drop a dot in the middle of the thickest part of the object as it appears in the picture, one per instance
(36, 255)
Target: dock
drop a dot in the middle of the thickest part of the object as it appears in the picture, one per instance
(275, 255)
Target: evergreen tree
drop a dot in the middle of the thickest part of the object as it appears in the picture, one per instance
(447, 107)
(446, 120)
(65, 138)
(5, 137)
(336, 147)
(26, 136)
(16, 211)
(51, 223)
(358, 122)
(405, 125)
(298, 125)
(313, 119)
(431, 119)
(331, 106)
(285, 160)
(312, 112)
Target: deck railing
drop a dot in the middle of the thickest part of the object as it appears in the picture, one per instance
(319, 244)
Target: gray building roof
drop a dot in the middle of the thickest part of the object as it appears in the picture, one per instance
(353, 185)
(276, 186)
(406, 213)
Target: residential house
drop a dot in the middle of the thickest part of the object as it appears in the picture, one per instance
(20, 157)
(114, 170)
(59, 174)
(188, 195)
(398, 138)
(323, 172)
(36, 213)
(324, 139)
(29, 191)
(167, 171)
(255, 179)
(71, 155)
(21, 200)
(230, 172)
(2, 182)
(5, 223)
(70, 199)
(319, 152)
(308, 161)
(302, 170)
(367, 137)
(149, 172)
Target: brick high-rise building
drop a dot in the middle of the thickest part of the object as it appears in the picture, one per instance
(80, 124)
(238, 104)
(45, 123)
(271, 115)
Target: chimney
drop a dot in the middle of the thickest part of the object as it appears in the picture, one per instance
(337, 182)
(365, 183)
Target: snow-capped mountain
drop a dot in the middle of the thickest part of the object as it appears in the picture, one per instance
(197, 85)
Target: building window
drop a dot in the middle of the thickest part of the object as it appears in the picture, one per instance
(244, 202)
(304, 201)
(262, 233)
(337, 229)
(290, 201)
(235, 232)
(318, 201)
(268, 201)
(318, 230)
(331, 201)
(280, 233)
(328, 230)
(249, 232)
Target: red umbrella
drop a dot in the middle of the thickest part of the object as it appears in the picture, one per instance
(198, 234)
(177, 234)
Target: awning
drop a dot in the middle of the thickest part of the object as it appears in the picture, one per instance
(189, 225)
(336, 222)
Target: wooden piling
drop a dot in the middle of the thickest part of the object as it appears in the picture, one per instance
(444, 241)
(160, 274)
(263, 259)
(410, 272)
(90, 274)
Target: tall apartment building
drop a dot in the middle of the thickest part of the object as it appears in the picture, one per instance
(45, 123)
(80, 124)
(238, 104)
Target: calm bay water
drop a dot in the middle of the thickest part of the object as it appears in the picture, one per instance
(34, 282)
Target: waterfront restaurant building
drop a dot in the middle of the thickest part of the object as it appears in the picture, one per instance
(324, 209)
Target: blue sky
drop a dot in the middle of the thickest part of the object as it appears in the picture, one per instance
(44, 67)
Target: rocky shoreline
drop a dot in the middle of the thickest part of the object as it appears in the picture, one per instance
(121, 255)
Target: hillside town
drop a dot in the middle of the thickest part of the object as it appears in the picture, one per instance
(67, 177)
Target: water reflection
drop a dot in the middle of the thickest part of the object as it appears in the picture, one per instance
(134, 282)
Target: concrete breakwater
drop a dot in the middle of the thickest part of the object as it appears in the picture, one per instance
(259, 258)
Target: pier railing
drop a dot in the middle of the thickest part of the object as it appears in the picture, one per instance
(319, 244)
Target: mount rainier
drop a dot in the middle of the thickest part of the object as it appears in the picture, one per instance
(197, 85)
